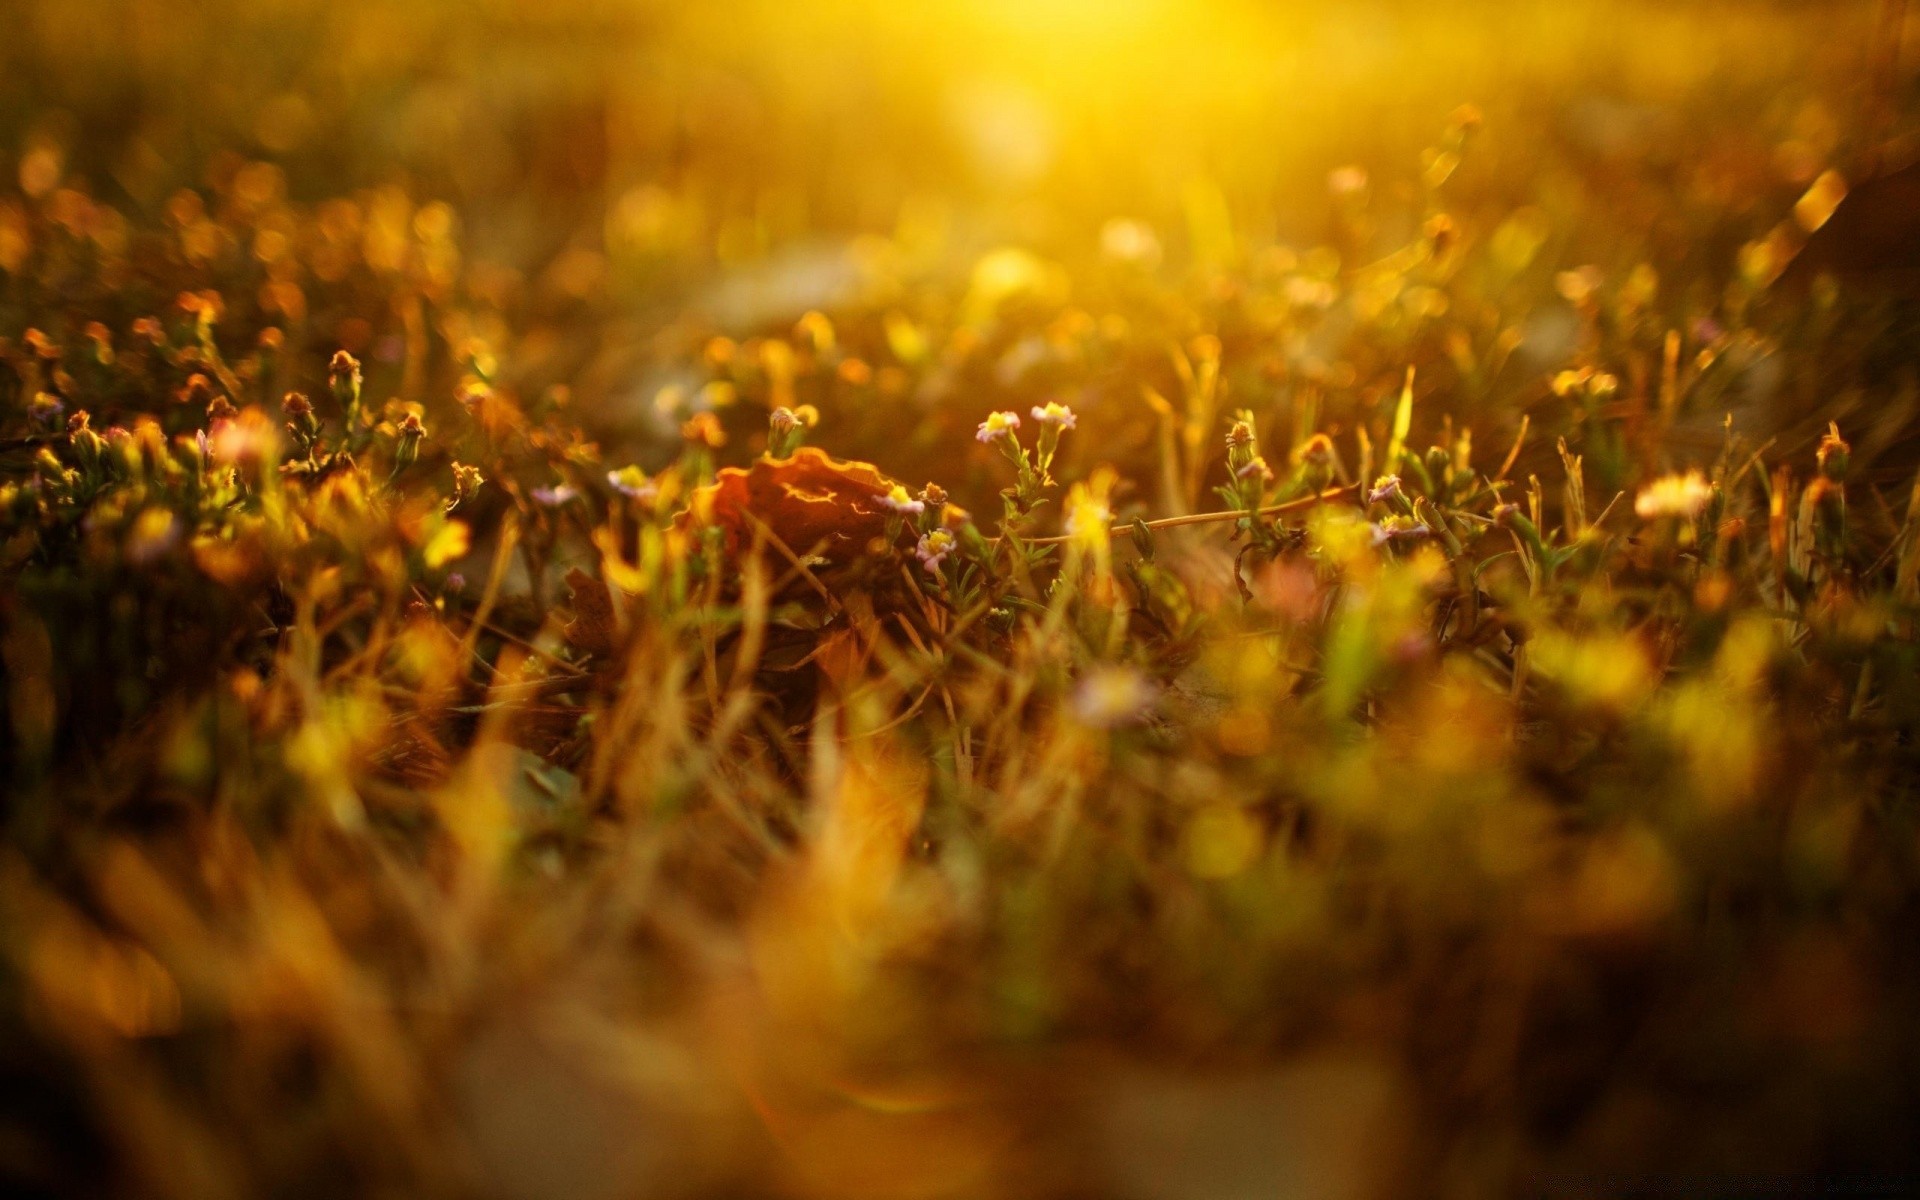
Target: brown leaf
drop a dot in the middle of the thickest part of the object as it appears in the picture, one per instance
(813, 503)
(592, 629)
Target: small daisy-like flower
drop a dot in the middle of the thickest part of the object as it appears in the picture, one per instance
(933, 549)
(704, 429)
(154, 533)
(1255, 468)
(1051, 413)
(242, 440)
(1674, 496)
(633, 483)
(1317, 452)
(45, 410)
(1387, 487)
(1396, 529)
(554, 497)
(997, 426)
(901, 501)
(1108, 696)
(1239, 435)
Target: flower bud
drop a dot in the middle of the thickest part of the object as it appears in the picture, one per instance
(344, 378)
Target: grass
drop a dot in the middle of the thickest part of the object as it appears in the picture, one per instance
(553, 672)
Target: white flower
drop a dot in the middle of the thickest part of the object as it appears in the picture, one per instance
(633, 483)
(1112, 695)
(933, 549)
(901, 501)
(1053, 413)
(1674, 496)
(1384, 488)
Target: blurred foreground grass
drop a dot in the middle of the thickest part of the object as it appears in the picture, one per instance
(463, 738)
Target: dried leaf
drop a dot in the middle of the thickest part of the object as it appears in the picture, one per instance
(813, 503)
(593, 629)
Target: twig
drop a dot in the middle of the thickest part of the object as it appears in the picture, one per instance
(1208, 518)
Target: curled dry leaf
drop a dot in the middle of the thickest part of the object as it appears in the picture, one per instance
(813, 503)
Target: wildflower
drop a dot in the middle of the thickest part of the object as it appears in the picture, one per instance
(1255, 468)
(154, 532)
(86, 444)
(466, 482)
(934, 496)
(344, 378)
(1386, 488)
(1833, 453)
(1317, 452)
(196, 393)
(784, 432)
(998, 426)
(1674, 496)
(472, 392)
(408, 449)
(633, 483)
(933, 549)
(301, 422)
(245, 439)
(1087, 516)
(901, 501)
(1109, 696)
(555, 496)
(1239, 436)
(45, 410)
(704, 428)
(1396, 529)
(1052, 413)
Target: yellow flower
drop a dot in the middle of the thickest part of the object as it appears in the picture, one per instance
(998, 425)
(901, 501)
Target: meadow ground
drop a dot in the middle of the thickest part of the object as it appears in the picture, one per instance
(964, 598)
